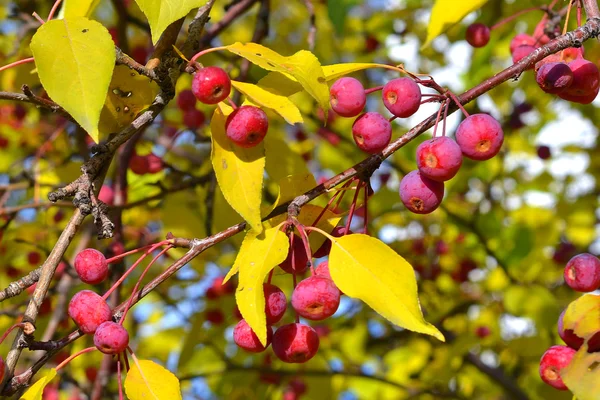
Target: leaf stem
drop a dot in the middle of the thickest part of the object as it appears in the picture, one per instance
(16, 63)
(15, 326)
(53, 10)
(203, 52)
(68, 360)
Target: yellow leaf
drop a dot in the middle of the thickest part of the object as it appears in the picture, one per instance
(128, 94)
(365, 268)
(239, 171)
(583, 316)
(335, 71)
(161, 14)
(37, 389)
(303, 66)
(581, 375)
(446, 13)
(281, 160)
(258, 255)
(265, 98)
(281, 84)
(151, 382)
(78, 8)
(75, 59)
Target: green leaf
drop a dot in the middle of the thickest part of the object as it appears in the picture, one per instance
(239, 171)
(365, 268)
(338, 11)
(259, 254)
(303, 66)
(148, 380)
(37, 389)
(446, 13)
(581, 375)
(162, 13)
(77, 76)
(78, 8)
(265, 98)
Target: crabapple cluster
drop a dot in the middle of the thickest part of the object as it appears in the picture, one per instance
(148, 164)
(371, 131)
(478, 137)
(217, 290)
(582, 273)
(314, 298)
(246, 126)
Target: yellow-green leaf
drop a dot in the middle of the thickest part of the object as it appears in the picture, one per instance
(37, 389)
(335, 71)
(128, 94)
(75, 59)
(303, 66)
(153, 381)
(446, 13)
(583, 316)
(581, 375)
(281, 160)
(78, 8)
(239, 171)
(276, 102)
(365, 268)
(258, 255)
(161, 13)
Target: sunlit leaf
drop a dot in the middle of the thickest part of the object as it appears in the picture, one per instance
(78, 8)
(303, 66)
(281, 160)
(581, 375)
(153, 381)
(264, 98)
(446, 13)
(77, 76)
(365, 268)
(37, 389)
(161, 14)
(128, 94)
(239, 171)
(582, 316)
(335, 71)
(259, 254)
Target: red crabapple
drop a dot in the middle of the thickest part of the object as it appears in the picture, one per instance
(522, 39)
(554, 77)
(214, 316)
(568, 335)
(479, 136)
(553, 361)
(323, 270)
(2, 369)
(275, 303)
(155, 163)
(193, 119)
(220, 288)
(88, 309)
(439, 158)
(347, 97)
(246, 339)
(106, 195)
(582, 273)
(34, 258)
(544, 152)
(91, 266)
(402, 97)
(316, 298)
(211, 85)
(478, 35)
(247, 126)
(372, 132)
(186, 100)
(298, 386)
(111, 338)
(482, 332)
(295, 343)
(586, 82)
(420, 194)
(300, 258)
(138, 164)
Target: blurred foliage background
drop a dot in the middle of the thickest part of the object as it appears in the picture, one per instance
(489, 261)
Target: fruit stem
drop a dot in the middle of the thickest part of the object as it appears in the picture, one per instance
(23, 61)
(120, 256)
(135, 264)
(39, 19)
(366, 217)
(304, 237)
(566, 26)
(15, 326)
(446, 107)
(137, 284)
(352, 207)
(68, 360)
(53, 10)
(203, 52)
(393, 117)
(270, 276)
(119, 380)
(321, 231)
(512, 17)
(437, 120)
(458, 103)
(316, 221)
(373, 89)
(579, 14)
(232, 104)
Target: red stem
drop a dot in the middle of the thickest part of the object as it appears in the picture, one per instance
(518, 14)
(53, 10)
(352, 207)
(119, 380)
(70, 358)
(137, 284)
(16, 63)
(437, 120)
(373, 89)
(15, 326)
(304, 237)
(458, 103)
(120, 256)
(366, 218)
